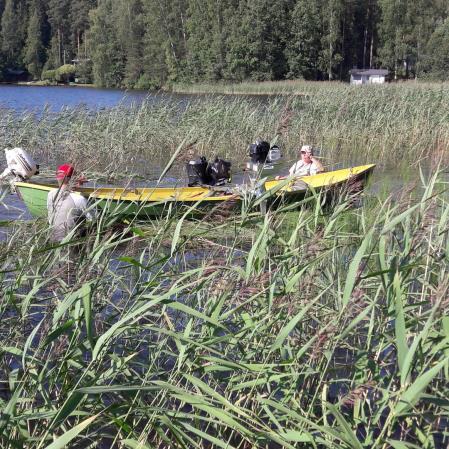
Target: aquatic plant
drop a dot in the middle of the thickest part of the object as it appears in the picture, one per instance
(395, 126)
(300, 328)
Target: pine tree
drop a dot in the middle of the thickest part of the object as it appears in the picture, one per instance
(257, 40)
(331, 56)
(34, 56)
(79, 24)
(205, 40)
(130, 33)
(155, 46)
(364, 34)
(147, 43)
(437, 53)
(60, 49)
(12, 37)
(305, 45)
(108, 56)
(174, 22)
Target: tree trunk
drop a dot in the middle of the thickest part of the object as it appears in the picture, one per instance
(365, 38)
(329, 68)
(59, 46)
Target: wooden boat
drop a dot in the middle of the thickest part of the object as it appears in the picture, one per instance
(154, 201)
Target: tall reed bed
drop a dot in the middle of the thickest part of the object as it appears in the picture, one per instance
(302, 328)
(289, 87)
(395, 126)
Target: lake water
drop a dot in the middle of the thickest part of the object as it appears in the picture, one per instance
(36, 98)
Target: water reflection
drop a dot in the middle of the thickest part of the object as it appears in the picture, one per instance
(55, 98)
(11, 209)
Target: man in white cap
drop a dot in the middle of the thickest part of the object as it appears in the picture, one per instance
(307, 165)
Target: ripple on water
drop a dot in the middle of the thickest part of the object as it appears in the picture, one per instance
(11, 209)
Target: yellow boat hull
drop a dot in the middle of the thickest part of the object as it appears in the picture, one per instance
(150, 201)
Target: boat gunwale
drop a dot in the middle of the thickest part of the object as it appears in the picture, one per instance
(126, 195)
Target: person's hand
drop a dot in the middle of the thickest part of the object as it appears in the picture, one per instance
(81, 180)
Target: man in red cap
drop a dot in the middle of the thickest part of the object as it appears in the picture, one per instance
(66, 209)
(64, 171)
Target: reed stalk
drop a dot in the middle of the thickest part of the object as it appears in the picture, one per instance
(302, 328)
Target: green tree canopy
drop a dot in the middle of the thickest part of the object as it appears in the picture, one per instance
(150, 43)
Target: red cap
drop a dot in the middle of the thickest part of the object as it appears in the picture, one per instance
(64, 171)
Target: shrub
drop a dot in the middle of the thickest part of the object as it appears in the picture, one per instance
(65, 73)
(146, 82)
(49, 75)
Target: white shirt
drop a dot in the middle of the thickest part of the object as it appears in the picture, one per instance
(300, 168)
(65, 210)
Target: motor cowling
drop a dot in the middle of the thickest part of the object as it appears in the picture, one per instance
(200, 172)
(263, 158)
(274, 154)
(258, 151)
(220, 171)
(20, 164)
(197, 172)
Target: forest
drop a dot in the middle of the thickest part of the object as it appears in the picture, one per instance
(154, 43)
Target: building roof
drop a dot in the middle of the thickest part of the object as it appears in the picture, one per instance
(77, 60)
(369, 72)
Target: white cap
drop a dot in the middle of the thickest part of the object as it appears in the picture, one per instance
(307, 148)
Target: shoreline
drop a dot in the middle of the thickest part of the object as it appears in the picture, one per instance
(181, 90)
(293, 88)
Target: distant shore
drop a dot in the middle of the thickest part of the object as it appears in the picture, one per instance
(286, 87)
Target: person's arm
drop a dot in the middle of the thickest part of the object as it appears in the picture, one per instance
(291, 172)
(82, 205)
(50, 199)
(317, 166)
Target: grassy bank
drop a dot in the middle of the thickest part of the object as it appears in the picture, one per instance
(295, 87)
(299, 329)
(289, 87)
(394, 126)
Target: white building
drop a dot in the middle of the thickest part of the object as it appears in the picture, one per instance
(368, 76)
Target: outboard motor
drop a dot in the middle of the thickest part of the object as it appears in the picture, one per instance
(258, 151)
(263, 158)
(274, 154)
(20, 165)
(197, 171)
(220, 171)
